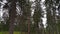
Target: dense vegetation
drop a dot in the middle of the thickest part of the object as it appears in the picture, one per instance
(28, 17)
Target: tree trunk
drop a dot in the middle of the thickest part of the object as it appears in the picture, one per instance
(28, 25)
(12, 15)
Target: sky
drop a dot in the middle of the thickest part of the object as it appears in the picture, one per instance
(32, 0)
(45, 13)
(42, 6)
(44, 19)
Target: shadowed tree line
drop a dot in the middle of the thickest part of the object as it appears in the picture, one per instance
(19, 17)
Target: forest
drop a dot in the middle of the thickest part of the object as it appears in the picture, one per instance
(29, 16)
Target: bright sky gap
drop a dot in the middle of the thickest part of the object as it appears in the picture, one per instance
(42, 5)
